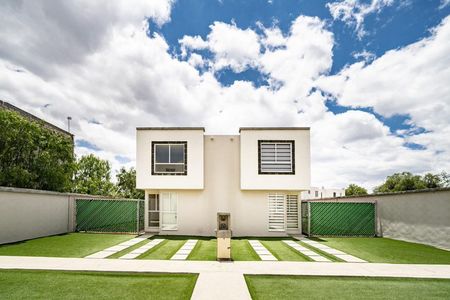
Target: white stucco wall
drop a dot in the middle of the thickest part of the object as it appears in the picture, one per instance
(31, 214)
(322, 193)
(251, 180)
(194, 177)
(197, 209)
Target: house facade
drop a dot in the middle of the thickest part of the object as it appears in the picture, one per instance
(256, 176)
(322, 192)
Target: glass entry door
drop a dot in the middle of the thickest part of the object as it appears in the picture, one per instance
(153, 211)
(169, 211)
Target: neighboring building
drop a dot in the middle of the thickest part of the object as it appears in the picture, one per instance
(33, 118)
(189, 177)
(319, 193)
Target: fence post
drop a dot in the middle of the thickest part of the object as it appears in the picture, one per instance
(137, 217)
(309, 218)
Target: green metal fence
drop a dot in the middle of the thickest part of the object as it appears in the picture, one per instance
(338, 218)
(109, 215)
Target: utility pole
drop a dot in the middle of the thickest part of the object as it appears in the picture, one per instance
(69, 118)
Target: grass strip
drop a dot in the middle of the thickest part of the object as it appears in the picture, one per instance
(34, 284)
(164, 250)
(241, 250)
(129, 249)
(204, 250)
(282, 251)
(263, 287)
(65, 245)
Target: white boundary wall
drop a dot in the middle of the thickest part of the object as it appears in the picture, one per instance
(416, 216)
(27, 214)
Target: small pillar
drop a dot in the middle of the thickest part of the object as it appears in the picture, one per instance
(223, 234)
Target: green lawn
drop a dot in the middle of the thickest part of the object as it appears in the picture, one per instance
(65, 245)
(28, 284)
(383, 250)
(281, 251)
(206, 249)
(129, 249)
(164, 250)
(241, 250)
(318, 287)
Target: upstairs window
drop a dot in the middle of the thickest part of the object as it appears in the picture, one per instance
(169, 158)
(276, 157)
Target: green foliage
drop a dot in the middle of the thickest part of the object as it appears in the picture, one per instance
(33, 156)
(355, 190)
(407, 181)
(93, 176)
(126, 184)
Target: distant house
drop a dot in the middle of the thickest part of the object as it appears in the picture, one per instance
(33, 118)
(321, 192)
(256, 176)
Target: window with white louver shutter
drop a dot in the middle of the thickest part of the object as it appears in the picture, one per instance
(276, 157)
(276, 212)
(292, 211)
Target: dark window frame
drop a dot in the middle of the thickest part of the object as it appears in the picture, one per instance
(184, 143)
(292, 142)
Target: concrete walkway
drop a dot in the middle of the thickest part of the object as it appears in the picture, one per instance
(136, 252)
(305, 251)
(114, 249)
(337, 253)
(185, 250)
(241, 267)
(262, 251)
(225, 280)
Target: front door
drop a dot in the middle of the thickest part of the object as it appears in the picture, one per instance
(169, 211)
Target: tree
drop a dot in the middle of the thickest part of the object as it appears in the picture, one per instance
(406, 181)
(93, 176)
(126, 184)
(34, 156)
(355, 190)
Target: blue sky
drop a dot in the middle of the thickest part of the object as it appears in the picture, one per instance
(392, 27)
(370, 77)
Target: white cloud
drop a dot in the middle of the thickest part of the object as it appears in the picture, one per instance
(353, 12)
(124, 78)
(233, 47)
(365, 55)
(444, 3)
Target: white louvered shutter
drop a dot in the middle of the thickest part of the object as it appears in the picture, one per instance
(292, 211)
(276, 157)
(276, 212)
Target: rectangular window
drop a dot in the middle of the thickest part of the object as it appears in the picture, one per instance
(276, 157)
(316, 194)
(169, 158)
(276, 212)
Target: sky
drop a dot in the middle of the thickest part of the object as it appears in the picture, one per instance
(371, 78)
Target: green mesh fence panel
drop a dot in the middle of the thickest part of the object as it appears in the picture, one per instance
(109, 215)
(342, 219)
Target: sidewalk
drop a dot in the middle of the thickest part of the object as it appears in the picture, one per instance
(216, 277)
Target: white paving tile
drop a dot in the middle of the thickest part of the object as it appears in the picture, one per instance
(114, 249)
(136, 252)
(262, 252)
(185, 250)
(337, 253)
(307, 252)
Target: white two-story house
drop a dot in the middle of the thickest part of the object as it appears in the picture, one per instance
(256, 176)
